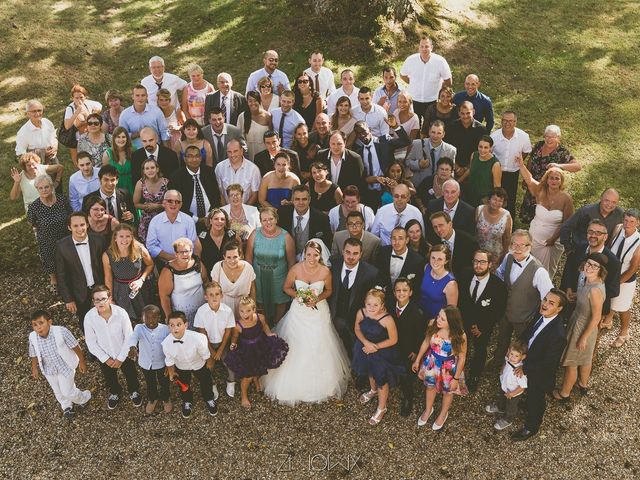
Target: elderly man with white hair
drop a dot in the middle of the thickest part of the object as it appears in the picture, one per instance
(161, 79)
(231, 103)
(37, 135)
(461, 213)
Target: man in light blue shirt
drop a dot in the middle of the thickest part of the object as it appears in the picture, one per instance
(388, 92)
(140, 115)
(278, 77)
(168, 226)
(285, 119)
(83, 182)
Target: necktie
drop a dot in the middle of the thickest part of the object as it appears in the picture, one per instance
(281, 127)
(81, 243)
(152, 157)
(317, 83)
(449, 211)
(369, 159)
(398, 220)
(219, 148)
(433, 161)
(537, 324)
(515, 262)
(398, 312)
(299, 224)
(620, 247)
(109, 203)
(178, 341)
(199, 197)
(159, 84)
(345, 280)
(474, 295)
(223, 107)
(393, 255)
(446, 243)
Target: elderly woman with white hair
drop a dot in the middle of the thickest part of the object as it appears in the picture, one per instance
(24, 180)
(547, 153)
(48, 216)
(195, 93)
(180, 285)
(37, 135)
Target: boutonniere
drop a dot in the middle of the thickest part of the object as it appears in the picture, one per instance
(411, 276)
(486, 302)
(318, 235)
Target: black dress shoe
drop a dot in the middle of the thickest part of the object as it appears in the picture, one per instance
(522, 435)
(472, 384)
(405, 407)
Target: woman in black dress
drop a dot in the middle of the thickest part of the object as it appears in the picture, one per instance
(218, 235)
(308, 102)
(324, 193)
(48, 216)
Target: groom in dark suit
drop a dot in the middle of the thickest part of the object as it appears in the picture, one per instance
(546, 338)
(352, 279)
(79, 265)
(482, 300)
(345, 166)
(460, 243)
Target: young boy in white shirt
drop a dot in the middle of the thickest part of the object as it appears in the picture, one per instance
(512, 386)
(216, 321)
(145, 344)
(57, 353)
(187, 352)
(107, 329)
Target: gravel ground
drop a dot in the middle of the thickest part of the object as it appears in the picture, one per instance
(594, 436)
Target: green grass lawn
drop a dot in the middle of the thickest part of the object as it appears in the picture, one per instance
(573, 63)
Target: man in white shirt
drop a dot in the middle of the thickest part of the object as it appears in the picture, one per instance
(373, 114)
(321, 77)
(395, 214)
(37, 135)
(350, 203)
(348, 89)
(509, 142)
(270, 59)
(83, 182)
(107, 331)
(237, 169)
(425, 72)
(161, 79)
(387, 94)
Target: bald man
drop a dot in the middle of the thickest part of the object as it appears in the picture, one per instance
(482, 104)
(270, 59)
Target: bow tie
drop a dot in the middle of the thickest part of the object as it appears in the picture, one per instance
(178, 341)
(81, 243)
(393, 255)
(520, 264)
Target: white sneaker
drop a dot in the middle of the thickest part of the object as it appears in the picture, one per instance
(492, 408)
(501, 424)
(231, 389)
(214, 389)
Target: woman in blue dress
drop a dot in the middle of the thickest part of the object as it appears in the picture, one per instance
(439, 287)
(275, 188)
(375, 353)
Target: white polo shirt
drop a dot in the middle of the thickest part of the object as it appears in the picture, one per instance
(507, 149)
(426, 77)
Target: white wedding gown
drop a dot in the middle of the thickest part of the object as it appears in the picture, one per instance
(543, 226)
(317, 367)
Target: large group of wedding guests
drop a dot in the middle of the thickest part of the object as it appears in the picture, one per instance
(298, 235)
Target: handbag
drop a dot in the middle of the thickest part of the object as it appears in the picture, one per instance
(67, 136)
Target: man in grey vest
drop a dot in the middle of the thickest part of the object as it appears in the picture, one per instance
(304, 222)
(527, 284)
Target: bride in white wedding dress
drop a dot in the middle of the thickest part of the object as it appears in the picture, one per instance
(317, 367)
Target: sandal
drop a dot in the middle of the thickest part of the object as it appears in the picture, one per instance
(379, 415)
(367, 396)
(583, 390)
(607, 324)
(558, 396)
(620, 341)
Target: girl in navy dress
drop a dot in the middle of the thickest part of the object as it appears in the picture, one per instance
(439, 287)
(254, 348)
(375, 353)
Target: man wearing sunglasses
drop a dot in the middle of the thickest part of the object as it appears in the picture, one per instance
(270, 59)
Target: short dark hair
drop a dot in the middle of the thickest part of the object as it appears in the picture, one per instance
(215, 110)
(355, 214)
(445, 160)
(77, 214)
(177, 314)
(84, 155)
(354, 242)
(364, 90)
(561, 295)
(41, 314)
(108, 170)
(444, 215)
(388, 69)
(151, 311)
(300, 188)
(269, 134)
(351, 191)
(486, 138)
(193, 147)
(100, 288)
(284, 155)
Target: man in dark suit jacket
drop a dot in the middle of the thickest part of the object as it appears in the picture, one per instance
(217, 130)
(596, 238)
(464, 215)
(313, 222)
(461, 244)
(119, 201)
(482, 299)
(398, 260)
(235, 103)
(74, 254)
(411, 324)
(352, 279)
(183, 181)
(349, 166)
(546, 338)
(166, 158)
(264, 159)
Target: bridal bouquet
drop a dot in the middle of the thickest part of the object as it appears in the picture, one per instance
(304, 295)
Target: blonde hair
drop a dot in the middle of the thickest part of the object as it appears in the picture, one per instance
(245, 301)
(182, 242)
(134, 253)
(194, 68)
(376, 293)
(27, 157)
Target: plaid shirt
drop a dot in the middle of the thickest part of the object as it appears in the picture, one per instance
(52, 362)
